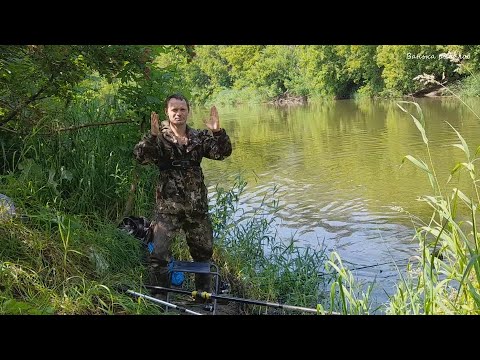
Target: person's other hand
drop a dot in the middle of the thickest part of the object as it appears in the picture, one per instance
(154, 128)
(213, 123)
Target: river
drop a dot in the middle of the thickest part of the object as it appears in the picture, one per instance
(338, 169)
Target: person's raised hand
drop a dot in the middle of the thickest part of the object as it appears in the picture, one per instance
(214, 122)
(154, 128)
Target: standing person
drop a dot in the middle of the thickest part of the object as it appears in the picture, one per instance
(181, 195)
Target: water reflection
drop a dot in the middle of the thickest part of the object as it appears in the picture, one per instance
(337, 167)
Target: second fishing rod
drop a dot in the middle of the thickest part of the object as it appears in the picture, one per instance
(207, 295)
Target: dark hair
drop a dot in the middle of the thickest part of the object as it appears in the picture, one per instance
(177, 96)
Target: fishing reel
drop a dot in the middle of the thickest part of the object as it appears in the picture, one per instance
(224, 287)
(208, 307)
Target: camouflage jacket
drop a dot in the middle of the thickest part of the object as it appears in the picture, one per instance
(182, 188)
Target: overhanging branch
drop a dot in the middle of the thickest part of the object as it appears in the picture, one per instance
(72, 128)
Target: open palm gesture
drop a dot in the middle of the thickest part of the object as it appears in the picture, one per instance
(213, 123)
(154, 128)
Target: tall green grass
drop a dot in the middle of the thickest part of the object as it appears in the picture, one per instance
(58, 263)
(85, 171)
(446, 278)
(257, 261)
(55, 262)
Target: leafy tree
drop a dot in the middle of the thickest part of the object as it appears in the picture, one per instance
(402, 63)
(31, 73)
(361, 68)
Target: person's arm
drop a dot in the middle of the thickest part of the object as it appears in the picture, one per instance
(147, 150)
(216, 144)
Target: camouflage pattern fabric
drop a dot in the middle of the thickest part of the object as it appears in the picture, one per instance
(199, 236)
(181, 195)
(182, 189)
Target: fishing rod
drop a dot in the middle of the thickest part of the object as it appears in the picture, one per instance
(158, 301)
(207, 295)
(398, 262)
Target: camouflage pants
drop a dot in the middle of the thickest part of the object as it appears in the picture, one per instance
(199, 236)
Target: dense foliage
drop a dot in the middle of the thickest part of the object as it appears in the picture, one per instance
(241, 73)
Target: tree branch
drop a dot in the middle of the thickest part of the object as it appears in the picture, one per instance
(5, 129)
(71, 128)
(28, 101)
(131, 194)
(135, 177)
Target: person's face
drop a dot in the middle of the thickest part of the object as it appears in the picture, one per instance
(177, 111)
